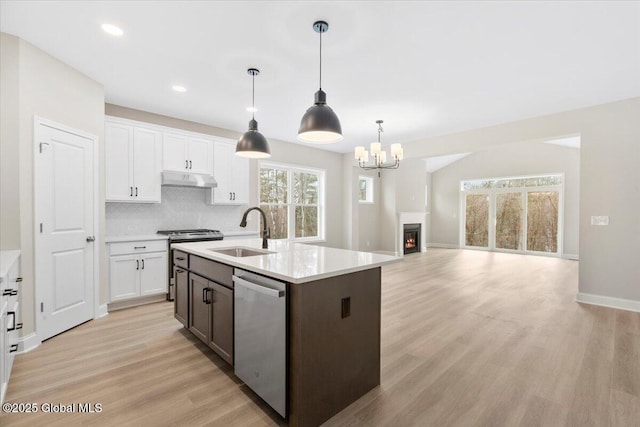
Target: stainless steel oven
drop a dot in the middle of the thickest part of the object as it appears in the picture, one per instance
(183, 236)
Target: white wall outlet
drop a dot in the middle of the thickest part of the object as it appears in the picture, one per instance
(600, 220)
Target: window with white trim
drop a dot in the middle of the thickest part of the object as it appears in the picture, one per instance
(293, 199)
(365, 189)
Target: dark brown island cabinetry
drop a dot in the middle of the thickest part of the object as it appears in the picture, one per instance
(182, 295)
(204, 301)
(333, 332)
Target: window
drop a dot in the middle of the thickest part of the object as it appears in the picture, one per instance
(365, 187)
(293, 200)
(520, 214)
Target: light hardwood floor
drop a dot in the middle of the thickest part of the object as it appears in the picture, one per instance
(469, 338)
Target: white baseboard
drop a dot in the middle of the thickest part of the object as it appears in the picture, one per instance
(102, 311)
(442, 245)
(571, 256)
(28, 343)
(612, 302)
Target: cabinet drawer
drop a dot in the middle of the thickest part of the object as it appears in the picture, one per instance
(138, 247)
(181, 259)
(212, 270)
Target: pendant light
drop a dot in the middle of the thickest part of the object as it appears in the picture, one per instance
(320, 125)
(253, 144)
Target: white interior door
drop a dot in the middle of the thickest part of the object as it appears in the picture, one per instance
(65, 227)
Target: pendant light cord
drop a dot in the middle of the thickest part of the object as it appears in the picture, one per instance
(320, 59)
(253, 96)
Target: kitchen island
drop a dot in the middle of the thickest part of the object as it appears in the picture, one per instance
(331, 317)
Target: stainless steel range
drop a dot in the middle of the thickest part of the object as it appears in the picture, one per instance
(181, 236)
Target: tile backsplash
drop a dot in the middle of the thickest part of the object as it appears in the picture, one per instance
(181, 208)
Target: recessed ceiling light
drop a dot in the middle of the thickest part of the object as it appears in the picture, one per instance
(112, 29)
(179, 88)
(252, 109)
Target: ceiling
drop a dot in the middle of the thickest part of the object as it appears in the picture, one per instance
(425, 68)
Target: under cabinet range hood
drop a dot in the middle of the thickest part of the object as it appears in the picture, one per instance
(181, 179)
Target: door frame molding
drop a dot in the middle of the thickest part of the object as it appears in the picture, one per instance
(38, 122)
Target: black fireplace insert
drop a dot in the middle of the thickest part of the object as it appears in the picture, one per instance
(411, 238)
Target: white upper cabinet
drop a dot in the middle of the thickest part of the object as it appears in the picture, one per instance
(133, 160)
(186, 153)
(232, 175)
(174, 149)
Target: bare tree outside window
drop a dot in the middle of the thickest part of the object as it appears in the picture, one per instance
(477, 220)
(509, 221)
(542, 221)
(291, 199)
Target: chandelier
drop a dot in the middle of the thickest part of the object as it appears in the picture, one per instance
(379, 156)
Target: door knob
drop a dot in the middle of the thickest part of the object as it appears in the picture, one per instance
(91, 239)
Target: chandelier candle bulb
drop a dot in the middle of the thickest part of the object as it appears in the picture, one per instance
(395, 150)
(376, 147)
(383, 156)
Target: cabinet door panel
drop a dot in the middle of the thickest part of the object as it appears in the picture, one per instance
(124, 276)
(153, 273)
(222, 158)
(199, 310)
(240, 180)
(118, 162)
(200, 155)
(181, 307)
(147, 155)
(221, 336)
(174, 150)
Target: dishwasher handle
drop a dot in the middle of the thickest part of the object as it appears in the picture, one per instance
(258, 288)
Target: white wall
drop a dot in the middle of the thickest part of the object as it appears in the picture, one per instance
(609, 177)
(510, 160)
(429, 207)
(410, 181)
(281, 152)
(9, 146)
(50, 89)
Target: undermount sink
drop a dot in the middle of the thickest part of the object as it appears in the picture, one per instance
(241, 251)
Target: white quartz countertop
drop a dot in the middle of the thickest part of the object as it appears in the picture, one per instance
(135, 238)
(7, 258)
(291, 262)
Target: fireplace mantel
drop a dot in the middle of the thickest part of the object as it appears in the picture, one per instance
(411, 218)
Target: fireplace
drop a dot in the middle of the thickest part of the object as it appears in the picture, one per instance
(411, 238)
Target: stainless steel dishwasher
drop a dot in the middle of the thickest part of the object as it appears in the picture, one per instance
(261, 336)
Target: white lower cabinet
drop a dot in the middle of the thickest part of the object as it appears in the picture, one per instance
(9, 316)
(140, 273)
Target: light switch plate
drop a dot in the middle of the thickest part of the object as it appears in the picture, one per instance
(600, 220)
